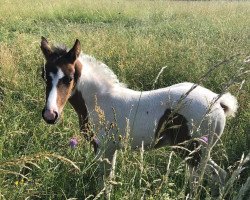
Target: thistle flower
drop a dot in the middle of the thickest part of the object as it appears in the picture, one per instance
(73, 142)
(204, 139)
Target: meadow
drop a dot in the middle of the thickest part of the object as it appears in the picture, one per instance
(136, 39)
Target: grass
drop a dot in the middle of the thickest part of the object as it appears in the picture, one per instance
(136, 39)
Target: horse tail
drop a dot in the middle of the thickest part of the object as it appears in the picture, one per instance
(229, 104)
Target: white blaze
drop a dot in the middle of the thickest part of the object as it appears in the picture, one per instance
(52, 98)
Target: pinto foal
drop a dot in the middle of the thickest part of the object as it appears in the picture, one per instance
(174, 115)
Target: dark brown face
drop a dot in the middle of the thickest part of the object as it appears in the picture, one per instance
(60, 73)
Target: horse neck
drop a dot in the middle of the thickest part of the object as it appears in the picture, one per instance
(91, 84)
(78, 103)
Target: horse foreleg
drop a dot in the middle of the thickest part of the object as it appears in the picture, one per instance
(107, 157)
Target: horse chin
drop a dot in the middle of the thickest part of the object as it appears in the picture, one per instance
(51, 121)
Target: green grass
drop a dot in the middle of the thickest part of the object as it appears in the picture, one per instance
(136, 39)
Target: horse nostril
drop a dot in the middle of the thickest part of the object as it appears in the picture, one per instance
(50, 116)
(56, 115)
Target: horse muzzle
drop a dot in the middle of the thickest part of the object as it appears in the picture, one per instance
(50, 116)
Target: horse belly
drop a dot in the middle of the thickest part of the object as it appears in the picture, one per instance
(143, 132)
(144, 126)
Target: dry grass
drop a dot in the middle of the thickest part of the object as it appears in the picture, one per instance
(136, 39)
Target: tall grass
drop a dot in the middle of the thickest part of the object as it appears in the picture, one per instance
(136, 39)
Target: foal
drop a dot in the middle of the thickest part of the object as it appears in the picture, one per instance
(169, 116)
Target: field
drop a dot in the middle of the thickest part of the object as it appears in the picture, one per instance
(135, 39)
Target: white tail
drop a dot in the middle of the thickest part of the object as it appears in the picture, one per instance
(229, 104)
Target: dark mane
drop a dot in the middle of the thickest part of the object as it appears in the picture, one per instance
(59, 51)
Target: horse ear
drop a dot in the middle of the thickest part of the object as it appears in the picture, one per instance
(74, 53)
(45, 47)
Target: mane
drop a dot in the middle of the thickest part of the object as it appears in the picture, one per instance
(101, 70)
(59, 50)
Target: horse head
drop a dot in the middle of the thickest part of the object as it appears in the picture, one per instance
(60, 73)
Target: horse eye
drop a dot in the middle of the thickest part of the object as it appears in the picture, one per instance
(67, 79)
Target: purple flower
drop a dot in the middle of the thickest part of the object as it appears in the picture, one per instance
(73, 142)
(204, 139)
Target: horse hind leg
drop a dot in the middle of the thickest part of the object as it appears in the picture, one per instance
(213, 170)
(193, 157)
(219, 174)
(216, 176)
